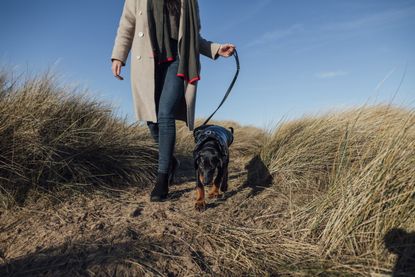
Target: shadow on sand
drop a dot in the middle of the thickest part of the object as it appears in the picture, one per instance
(138, 255)
(258, 179)
(402, 243)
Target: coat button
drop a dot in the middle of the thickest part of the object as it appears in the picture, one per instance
(138, 57)
(140, 34)
(140, 12)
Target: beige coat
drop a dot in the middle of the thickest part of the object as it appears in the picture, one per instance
(133, 34)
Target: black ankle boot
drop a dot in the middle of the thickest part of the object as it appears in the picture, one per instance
(161, 189)
(174, 165)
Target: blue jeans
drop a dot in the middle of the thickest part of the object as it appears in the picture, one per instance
(169, 91)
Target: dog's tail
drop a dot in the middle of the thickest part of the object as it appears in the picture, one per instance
(231, 129)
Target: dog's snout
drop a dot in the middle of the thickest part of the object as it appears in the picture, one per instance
(208, 177)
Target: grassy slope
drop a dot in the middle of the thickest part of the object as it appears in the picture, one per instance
(316, 196)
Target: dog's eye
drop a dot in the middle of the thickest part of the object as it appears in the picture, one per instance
(204, 161)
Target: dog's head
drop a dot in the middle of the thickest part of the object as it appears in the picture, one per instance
(207, 161)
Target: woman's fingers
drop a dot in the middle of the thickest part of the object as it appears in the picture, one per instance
(227, 49)
(116, 70)
(231, 49)
(119, 72)
(230, 45)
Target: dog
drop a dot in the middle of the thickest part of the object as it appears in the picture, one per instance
(211, 154)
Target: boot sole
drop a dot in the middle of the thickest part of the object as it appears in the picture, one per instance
(158, 198)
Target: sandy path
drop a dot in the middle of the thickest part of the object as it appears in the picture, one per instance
(125, 235)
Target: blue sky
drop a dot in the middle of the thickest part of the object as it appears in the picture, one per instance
(297, 57)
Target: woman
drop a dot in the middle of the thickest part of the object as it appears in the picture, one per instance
(165, 43)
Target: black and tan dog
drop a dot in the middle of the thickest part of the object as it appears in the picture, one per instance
(211, 154)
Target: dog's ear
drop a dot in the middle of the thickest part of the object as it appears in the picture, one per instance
(221, 162)
(196, 160)
(197, 131)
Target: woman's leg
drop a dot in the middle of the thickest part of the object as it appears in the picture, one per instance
(154, 130)
(159, 76)
(171, 95)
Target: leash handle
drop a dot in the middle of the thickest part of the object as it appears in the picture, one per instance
(235, 54)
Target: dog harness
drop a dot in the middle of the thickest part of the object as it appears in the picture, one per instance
(212, 132)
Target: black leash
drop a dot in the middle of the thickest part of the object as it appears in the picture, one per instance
(235, 54)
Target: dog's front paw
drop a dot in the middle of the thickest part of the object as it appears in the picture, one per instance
(214, 194)
(200, 205)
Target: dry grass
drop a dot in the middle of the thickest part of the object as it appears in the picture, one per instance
(57, 137)
(318, 196)
(361, 165)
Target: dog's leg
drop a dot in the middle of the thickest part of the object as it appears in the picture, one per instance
(214, 191)
(200, 204)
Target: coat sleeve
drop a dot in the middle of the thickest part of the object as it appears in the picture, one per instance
(125, 32)
(208, 48)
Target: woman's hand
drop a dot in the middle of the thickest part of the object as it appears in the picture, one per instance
(116, 69)
(226, 50)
